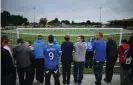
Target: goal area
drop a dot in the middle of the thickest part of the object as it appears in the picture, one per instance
(31, 34)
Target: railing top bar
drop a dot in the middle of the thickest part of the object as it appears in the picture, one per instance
(66, 28)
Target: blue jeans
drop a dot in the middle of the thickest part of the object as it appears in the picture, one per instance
(98, 68)
(78, 72)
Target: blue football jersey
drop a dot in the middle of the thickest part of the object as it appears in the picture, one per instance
(52, 54)
(100, 50)
(90, 46)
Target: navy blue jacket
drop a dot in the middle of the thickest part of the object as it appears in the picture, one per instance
(67, 51)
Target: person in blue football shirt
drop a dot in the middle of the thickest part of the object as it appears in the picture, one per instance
(89, 53)
(51, 53)
(99, 58)
(39, 46)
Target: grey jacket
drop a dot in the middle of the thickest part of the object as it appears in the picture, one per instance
(23, 55)
(80, 51)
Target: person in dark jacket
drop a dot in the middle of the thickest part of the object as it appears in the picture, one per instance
(131, 54)
(5, 44)
(66, 59)
(23, 56)
(110, 59)
(39, 46)
(6, 67)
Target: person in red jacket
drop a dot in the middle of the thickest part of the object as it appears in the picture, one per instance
(123, 50)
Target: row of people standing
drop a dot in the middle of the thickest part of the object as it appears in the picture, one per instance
(27, 60)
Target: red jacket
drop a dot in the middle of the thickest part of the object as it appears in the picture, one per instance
(120, 52)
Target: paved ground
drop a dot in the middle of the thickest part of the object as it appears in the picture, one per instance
(89, 79)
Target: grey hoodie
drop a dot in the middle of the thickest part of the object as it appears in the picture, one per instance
(22, 55)
(80, 51)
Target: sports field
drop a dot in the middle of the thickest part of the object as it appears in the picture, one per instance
(31, 34)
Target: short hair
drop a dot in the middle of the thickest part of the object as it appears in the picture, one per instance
(40, 37)
(82, 37)
(67, 37)
(51, 38)
(4, 39)
(110, 37)
(100, 34)
(124, 41)
(29, 42)
(20, 40)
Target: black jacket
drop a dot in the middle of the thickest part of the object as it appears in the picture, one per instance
(131, 50)
(6, 62)
(111, 50)
(67, 51)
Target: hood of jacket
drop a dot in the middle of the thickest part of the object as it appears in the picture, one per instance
(19, 48)
(125, 46)
(39, 41)
(81, 45)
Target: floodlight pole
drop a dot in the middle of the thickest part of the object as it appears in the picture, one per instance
(34, 15)
(100, 16)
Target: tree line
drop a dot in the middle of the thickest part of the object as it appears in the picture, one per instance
(17, 20)
(13, 20)
(44, 21)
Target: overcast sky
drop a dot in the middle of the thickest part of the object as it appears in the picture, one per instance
(77, 10)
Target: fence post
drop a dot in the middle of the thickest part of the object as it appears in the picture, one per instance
(17, 33)
(121, 33)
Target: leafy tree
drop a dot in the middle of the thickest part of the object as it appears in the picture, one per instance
(65, 21)
(88, 22)
(43, 21)
(54, 22)
(5, 18)
(73, 23)
(8, 19)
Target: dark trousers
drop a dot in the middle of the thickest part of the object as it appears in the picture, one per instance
(78, 72)
(123, 76)
(6, 80)
(56, 76)
(109, 69)
(89, 59)
(26, 75)
(98, 68)
(14, 76)
(66, 71)
(39, 67)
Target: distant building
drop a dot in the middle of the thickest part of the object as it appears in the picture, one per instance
(124, 23)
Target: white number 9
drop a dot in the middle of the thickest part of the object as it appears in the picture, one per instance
(51, 55)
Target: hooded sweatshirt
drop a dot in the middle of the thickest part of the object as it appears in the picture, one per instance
(39, 46)
(22, 55)
(79, 51)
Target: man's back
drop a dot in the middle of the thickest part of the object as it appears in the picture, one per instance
(51, 54)
(67, 50)
(39, 46)
(100, 50)
(6, 62)
(90, 46)
(22, 54)
(80, 50)
(111, 49)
